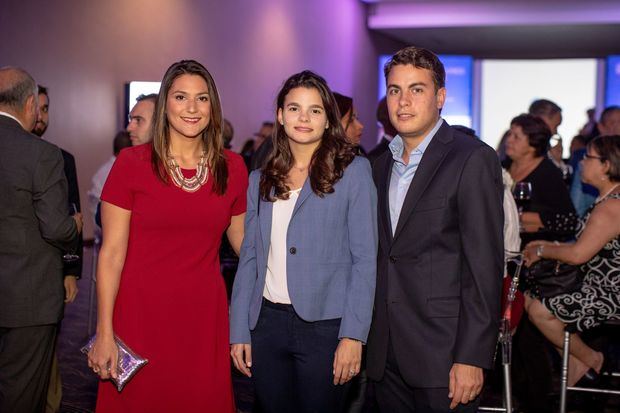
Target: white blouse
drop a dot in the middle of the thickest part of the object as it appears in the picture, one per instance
(512, 239)
(276, 287)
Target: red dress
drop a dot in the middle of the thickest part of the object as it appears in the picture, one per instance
(171, 306)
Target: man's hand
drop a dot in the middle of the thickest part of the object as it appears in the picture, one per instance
(465, 383)
(71, 288)
(79, 222)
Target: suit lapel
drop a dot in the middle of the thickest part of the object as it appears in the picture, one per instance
(264, 219)
(383, 196)
(430, 163)
(306, 190)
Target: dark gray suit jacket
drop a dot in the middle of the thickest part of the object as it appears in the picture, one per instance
(35, 227)
(439, 276)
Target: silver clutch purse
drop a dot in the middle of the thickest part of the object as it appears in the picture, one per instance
(129, 362)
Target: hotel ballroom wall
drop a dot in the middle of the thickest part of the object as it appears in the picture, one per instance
(85, 51)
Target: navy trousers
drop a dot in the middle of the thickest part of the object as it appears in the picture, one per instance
(292, 362)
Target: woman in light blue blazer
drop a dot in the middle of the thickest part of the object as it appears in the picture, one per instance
(303, 294)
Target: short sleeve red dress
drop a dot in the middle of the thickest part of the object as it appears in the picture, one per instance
(171, 306)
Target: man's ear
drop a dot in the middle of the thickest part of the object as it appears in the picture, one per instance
(441, 97)
(31, 112)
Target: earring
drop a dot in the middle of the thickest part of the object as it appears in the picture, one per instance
(327, 126)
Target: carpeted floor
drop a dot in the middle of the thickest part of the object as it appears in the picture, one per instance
(80, 384)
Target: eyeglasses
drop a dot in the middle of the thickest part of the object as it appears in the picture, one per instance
(586, 156)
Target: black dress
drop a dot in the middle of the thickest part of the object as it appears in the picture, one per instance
(532, 369)
(551, 199)
(599, 297)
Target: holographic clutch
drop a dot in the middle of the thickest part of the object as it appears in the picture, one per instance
(129, 362)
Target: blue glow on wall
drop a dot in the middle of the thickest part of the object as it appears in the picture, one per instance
(612, 89)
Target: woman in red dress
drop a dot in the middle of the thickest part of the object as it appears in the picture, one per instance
(165, 207)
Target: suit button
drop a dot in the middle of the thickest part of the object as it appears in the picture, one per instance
(392, 258)
(293, 250)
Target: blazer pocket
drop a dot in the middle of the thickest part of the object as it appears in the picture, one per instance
(443, 306)
(426, 204)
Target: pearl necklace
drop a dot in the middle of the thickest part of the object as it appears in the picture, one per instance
(192, 184)
(600, 198)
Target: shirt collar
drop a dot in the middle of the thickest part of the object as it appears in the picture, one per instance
(397, 145)
(8, 115)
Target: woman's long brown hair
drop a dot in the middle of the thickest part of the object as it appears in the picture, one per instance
(329, 160)
(212, 140)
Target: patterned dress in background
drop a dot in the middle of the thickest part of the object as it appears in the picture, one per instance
(599, 297)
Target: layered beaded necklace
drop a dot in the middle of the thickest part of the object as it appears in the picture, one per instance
(194, 183)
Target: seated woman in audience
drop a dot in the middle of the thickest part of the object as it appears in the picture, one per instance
(350, 122)
(597, 250)
(303, 294)
(159, 288)
(550, 213)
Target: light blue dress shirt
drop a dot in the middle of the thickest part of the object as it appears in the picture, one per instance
(402, 174)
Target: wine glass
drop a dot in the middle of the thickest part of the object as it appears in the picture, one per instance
(522, 193)
(71, 256)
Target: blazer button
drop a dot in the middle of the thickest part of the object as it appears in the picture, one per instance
(392, 258)
(293, 250)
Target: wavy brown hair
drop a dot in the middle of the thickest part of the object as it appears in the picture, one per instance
(212, 140)
(329, 160)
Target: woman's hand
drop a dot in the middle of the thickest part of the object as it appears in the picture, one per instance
(531, 222)
(347, 360)
(530, 255)
(242, 357)
(103, 357)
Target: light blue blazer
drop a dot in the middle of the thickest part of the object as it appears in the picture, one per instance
(331, 261)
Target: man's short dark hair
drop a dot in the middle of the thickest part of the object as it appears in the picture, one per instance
(17, 89)
(607, 112)
(151, 96)
(537, 132)
(43, 91)
(121, 141)
(420, 58)
(543, 107)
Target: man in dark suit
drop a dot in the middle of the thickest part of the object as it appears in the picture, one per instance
(440, 261)
(72, 270)
(35, 227)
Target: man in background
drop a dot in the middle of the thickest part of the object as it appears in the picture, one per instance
(121, 141)
(388, 131)
(35, 228)
(141, 119)
(72, 270)
(551, 114)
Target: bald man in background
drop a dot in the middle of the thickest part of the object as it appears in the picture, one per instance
(35, 229)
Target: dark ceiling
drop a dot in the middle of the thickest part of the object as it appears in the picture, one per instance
(587, 40)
